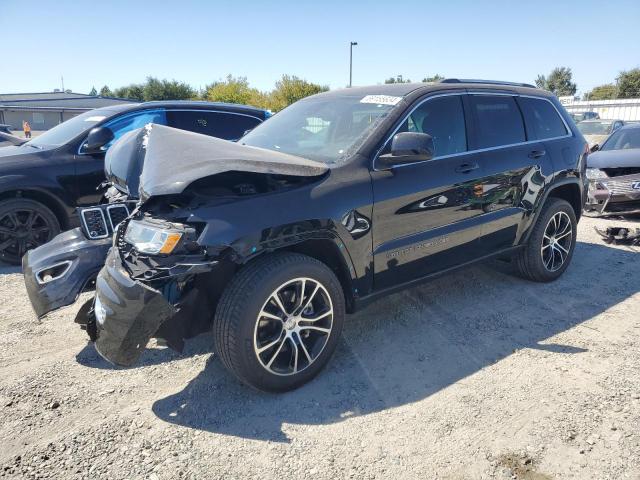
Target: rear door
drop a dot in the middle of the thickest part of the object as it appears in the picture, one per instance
(511, 163)
(225, 125)
(426, 215)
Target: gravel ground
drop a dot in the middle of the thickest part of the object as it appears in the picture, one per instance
(477, 375)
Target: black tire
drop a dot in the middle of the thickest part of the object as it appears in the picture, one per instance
(24, 224)
(533, 261)
(237, 323)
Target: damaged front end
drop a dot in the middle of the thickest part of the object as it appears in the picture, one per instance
(615, 195)
(173, 256)
(614, 182)
(57, 272)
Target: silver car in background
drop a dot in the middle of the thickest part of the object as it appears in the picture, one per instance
(613, 170)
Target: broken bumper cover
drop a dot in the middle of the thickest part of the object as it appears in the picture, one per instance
(614, 195)
(127, 313)
(57, 272)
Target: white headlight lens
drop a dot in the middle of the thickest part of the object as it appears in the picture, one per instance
(151, 240)
(594, 173)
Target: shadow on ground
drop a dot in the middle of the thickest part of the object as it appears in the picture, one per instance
(89, 356)
(409, 346)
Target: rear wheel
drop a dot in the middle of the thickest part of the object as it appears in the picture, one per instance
(279, 321)
(550, 248)
(24, 224)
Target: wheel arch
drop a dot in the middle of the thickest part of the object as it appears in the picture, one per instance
(331, 254)
(570, 191)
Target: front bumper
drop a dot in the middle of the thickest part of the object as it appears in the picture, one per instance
(614, 195)
(56, 272)
(127, 313)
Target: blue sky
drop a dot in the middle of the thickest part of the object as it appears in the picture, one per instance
(118, 42)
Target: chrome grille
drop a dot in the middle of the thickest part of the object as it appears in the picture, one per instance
(622, 187)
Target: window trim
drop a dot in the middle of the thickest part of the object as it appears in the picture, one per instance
(480, 150)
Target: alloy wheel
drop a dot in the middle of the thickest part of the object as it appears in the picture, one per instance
(293, 326)
(556, 242)
(21, 230)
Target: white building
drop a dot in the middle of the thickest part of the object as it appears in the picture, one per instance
(623, 109)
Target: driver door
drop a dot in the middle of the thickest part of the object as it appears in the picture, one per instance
(426, 215)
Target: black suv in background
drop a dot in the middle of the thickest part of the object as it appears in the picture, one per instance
(43, 181)
(340, 198)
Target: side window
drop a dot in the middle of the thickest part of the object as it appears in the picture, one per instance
(443, 119)
(543, 118)
(126, 123)
(229, 126)
(498, 120)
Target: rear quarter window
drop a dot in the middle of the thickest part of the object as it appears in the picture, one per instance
(229, 126)
(498, 120)
(542, 118)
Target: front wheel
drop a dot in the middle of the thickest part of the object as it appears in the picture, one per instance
(551, 244)
(279, 321)
(24, 224)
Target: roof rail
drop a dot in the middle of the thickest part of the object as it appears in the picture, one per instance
(491, 82)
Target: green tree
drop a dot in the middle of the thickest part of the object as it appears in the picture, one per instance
(105, 92)
(290, 89)
(135, 91)
(559, 82)
(234, 90)
(435, 78)
(397, 79)
(155, 89)
(93, 91)
(629, 83)
(602, 92)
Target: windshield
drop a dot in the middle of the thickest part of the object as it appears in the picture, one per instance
(68, 130)
(325, 129)
(623, 140)
(594, 128)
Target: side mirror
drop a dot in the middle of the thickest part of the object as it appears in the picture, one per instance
(594, 148)
(408, 147)
(98, 138)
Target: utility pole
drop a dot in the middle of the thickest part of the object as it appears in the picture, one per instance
(351, 61)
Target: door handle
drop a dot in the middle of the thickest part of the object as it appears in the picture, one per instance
(537, 153)
(467, 167)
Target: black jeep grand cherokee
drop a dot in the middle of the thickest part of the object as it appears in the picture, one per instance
(340, 198)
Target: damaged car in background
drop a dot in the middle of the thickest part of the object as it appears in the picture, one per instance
(597, 131)
(614, 174)
(339, 199)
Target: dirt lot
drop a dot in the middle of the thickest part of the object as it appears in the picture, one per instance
(478, 375)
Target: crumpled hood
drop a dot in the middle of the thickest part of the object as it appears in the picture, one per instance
(159, 160)
(614, 158)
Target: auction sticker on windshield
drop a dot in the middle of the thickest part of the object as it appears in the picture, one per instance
(381, 99)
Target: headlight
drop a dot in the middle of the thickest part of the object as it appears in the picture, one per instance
(594, 173)
(151, 240)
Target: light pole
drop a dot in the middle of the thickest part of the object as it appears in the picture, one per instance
(351, 61)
